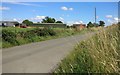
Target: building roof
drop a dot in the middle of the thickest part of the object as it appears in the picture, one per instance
(79, 24)
(8, 21)
(48, 23)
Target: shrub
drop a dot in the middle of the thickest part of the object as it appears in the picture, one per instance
(9, 36)
(29, 35)
(45, 32)
(50, 31)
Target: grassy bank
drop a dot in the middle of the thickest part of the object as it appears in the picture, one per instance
(99, 54)
(17, 36)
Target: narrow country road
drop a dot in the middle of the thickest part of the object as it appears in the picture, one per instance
(40, 57)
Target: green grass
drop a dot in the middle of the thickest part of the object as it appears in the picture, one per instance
(99, 54)
(15, 29)
(19, 36)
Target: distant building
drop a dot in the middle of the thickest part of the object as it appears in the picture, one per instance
(22, 24)
(79, 26)
(52, 25)
(9, 23)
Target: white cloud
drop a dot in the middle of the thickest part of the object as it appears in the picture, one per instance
(116, 18)
(69, 23)
(14, 19)
(79, 22)
(4, 8)
(74, 22)
(18, 19)
(113, 20)
(38, 18)
(110, 21)
(24, 3)
(66, 8)
(61, 18)
(108, 16)
(70, 8)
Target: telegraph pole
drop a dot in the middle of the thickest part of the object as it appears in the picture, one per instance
(95, 14)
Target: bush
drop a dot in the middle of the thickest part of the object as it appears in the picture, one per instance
(45, 32)
(50, 31)
(29, 35)
(9, 36)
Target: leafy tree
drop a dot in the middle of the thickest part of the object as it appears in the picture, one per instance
(59, 22)
(68, 26)
(90, 25)
(101, 23)
(95, 24)
(27, 22)
(53, 20)
(48, 20)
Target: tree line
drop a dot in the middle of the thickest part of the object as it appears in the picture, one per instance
(46, 20)
(53, 20)
(101, 23)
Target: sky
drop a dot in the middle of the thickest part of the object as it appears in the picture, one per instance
(67, 12)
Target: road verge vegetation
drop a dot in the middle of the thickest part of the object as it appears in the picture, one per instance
(17, 36)
(99, 54)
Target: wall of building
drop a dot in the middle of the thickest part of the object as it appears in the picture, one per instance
(53, 25)
(79, 26)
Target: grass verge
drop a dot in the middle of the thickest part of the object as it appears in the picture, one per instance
(18, 36)
(99, 54)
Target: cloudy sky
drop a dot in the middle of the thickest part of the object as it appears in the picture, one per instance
(68, 12)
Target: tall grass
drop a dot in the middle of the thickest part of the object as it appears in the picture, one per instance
(99, 54)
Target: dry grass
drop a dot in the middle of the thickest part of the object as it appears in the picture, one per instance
(99, 54)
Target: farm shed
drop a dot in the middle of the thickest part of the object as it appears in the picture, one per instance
(79, 26)
(9, 23)
(53, 25)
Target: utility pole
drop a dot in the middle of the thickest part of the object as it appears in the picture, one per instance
(95, 14)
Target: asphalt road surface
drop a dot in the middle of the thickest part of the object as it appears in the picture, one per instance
(40, 57)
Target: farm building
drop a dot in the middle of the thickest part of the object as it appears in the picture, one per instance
(9, 23)
(79, 26)
(53, 25)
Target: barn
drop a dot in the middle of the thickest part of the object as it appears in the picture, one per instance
(52, 25)
(79, 26)
(9, 23)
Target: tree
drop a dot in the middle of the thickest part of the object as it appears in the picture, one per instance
(38, 22)
(53, 20)
(27, 22)
(101, 23)
(90, 25)
(48, 20)
(59, 22)
(95, 24)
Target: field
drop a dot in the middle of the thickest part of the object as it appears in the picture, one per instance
(17, 36)
(99, 54)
